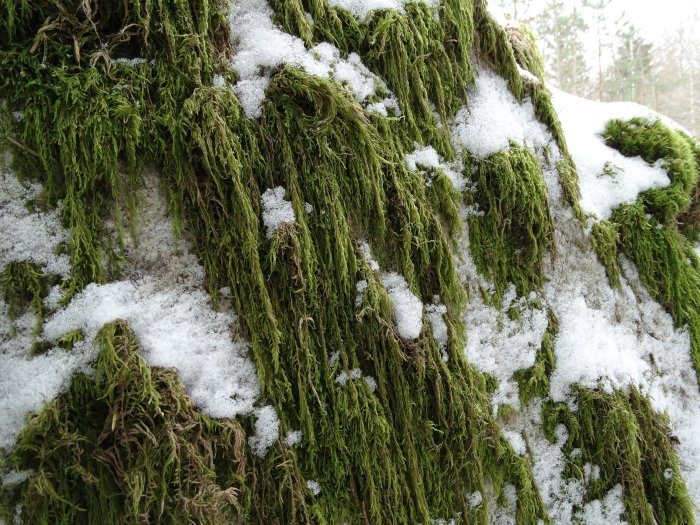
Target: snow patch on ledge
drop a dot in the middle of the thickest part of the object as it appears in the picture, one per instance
(606, 177)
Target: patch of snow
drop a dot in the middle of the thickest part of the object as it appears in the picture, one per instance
(276, 210)
(367, 255)
(267, 426)
(516, 441)
(436, 316)
(177, 328)
(15, 477)
(499, 345)
(408, 309)
(314, 487)
(495, 118)
(609, 511)
(386, 107)
(361, 8)
(427, 157)
(360, 287)
(26, 236)
(293, 438)
(475, 499)
(606, 177)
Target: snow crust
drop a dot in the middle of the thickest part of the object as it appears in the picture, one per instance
(606, 177)
(276, 210)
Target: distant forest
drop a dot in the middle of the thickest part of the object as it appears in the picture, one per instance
(593, 54)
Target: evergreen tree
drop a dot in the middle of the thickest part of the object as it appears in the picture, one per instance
(631, 76)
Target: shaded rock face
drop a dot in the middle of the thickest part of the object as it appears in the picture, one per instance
(330, 261)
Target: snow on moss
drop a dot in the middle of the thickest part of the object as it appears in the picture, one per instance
(168, 309)
(276, 210)
(261, 47)
(436, 316)
(616, 339)
(266, 430)
(408, 309)
(427, 157)
(26, 235)
(494, 118)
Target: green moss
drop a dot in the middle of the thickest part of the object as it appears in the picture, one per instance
(667, 266)
(604, 239)
(533, 382)
(632, 445)
(689, 220)
(655, 142)
(492, 46)
(649, 231)
(127, 446)
(510, 238)
(23, 286)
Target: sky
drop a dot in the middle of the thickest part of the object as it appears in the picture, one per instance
(652, 17)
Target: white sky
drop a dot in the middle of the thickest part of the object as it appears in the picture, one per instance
(652, 17)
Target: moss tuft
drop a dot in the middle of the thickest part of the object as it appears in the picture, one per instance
(632, 445)
(127, 446)
(511, 229)
(605, 238)
(525, 50)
